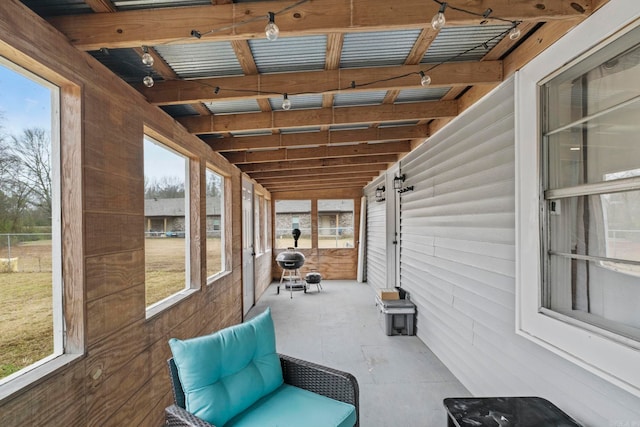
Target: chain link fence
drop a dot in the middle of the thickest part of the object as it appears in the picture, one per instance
(25, 253)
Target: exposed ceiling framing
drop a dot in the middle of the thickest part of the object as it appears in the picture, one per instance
(350, 68)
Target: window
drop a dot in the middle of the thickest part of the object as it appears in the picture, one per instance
(578, 223)
(167, 217)
(591, 159)
(335, 223)
(215, 221)
(267, 224)
(33, 301)
(290, 215)
(258, 224)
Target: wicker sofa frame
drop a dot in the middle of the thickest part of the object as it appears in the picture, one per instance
(310, 376)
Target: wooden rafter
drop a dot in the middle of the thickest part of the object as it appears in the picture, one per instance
(382, 160)
(174, 25)
(319, 117)
(329, 81)
(355, 150)
(316, 138)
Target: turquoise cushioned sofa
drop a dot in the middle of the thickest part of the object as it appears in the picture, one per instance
(235, 378)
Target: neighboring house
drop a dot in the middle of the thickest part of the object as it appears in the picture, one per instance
(165, 217)
(335, 217)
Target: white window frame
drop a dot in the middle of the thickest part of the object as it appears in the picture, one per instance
(585, 345)
(189, 287)
(64, 147)
(222, 226)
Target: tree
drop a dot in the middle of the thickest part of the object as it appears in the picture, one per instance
(33, 148)
(25, 171)
(167, 187)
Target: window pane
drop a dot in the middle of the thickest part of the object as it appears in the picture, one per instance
(335, 223)
(606, 225)
(166, 221)
(592, 267)
(601, 81)
(257, 215)
(215, 214)
(290, 215)
(267, 224)
(592, 151)
(29, 221)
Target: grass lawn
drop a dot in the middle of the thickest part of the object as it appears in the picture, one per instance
(26, 331)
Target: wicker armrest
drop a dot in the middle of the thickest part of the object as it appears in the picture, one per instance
(176, 416)
(322, 380)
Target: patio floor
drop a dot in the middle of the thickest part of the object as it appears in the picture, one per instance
(402, 383)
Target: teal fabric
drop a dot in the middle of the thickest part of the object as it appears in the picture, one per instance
(224, 373)
(290, 406)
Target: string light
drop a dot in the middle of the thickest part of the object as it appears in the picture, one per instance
(271, 30)
(147, 59)
(514, 34)
(148, 81)
(425, 80)
(438, 20)
(286, 102)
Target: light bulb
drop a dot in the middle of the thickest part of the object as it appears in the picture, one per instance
(514, 34)
(438, 20)
(147, 59)
(286, 102)
(148, 81)
(425, 80)
(271, 30)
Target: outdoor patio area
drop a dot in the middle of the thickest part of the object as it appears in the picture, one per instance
(402, 383)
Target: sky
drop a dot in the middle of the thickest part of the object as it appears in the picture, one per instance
(24, 103)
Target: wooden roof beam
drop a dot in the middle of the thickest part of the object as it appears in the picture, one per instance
(319, 117)
(318, 185)
(150, 27)
(316, 138)
(355, 150)
(383, 160)
(374, 169)
(328, 82)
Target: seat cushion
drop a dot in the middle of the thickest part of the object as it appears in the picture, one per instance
(290, 406)
(224, 373)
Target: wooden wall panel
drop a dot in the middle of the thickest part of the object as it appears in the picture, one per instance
(122, 378)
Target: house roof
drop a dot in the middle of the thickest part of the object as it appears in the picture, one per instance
(176, 207)
(351, 70)
(303, 206)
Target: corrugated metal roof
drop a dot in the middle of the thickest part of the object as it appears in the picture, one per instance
(233, 107)
(422, 94)
(349, 127)
(152, 4)
(180, 110)
(398, 124)
(377, 48)
(57, 7)
(201, 59)
(252, 133)
(125, 63)
(347, 99)
(301, 130)
(458, 43)
(298, 102)
(289, 54)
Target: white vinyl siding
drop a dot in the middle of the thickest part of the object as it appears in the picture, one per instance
(458, 263)
(376, 266)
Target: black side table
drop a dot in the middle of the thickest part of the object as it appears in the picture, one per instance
(505, 412)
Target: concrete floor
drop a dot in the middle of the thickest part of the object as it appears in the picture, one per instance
(402, 383)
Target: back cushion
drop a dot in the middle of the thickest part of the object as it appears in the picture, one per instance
(224, 373)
